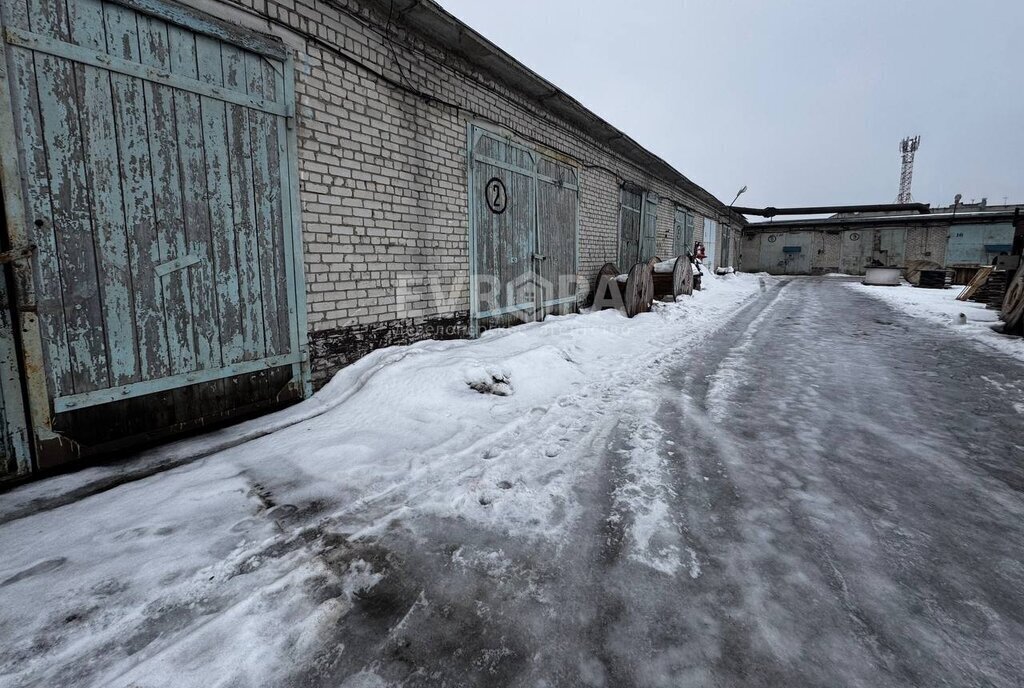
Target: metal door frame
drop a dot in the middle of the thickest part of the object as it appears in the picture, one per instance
(22, 299)
(474, 131)
(41, 405)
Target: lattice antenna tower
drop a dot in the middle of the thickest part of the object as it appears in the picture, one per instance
(908, 147)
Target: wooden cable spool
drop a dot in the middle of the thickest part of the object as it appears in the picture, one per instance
(662, 281)
(1013, 304)
(682, 277)
(675, 283)
(639, 294)
(607, 291)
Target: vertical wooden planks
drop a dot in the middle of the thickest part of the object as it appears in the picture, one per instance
(281, 78)
(168, 217)
(195, 202)
(38, 206)
(629, 228)
(137, 194)
(557, 209)
(218, 184)
(146, 193)
(266, 172)
(679, 232)
(649, 227)
(243, 203)
(280, 204)
(518, 241)
(71, 206)
(101, 156)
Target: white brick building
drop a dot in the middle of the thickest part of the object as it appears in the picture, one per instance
(231, 200)
(383, 111)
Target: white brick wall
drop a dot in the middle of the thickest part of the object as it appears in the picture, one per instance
(383, 172)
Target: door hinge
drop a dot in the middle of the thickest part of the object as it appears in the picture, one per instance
(17, 254)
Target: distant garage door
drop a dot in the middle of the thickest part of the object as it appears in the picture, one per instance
(787, 253)
(978, 244)
(156, 183)
(638, 221)
(863, 247)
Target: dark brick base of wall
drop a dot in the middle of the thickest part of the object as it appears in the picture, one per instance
(332, 350)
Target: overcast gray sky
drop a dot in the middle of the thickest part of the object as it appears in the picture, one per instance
(803, 101)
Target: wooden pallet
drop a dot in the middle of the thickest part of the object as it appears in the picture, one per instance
(976, 283)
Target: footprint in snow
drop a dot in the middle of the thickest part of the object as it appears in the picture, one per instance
(34, 570)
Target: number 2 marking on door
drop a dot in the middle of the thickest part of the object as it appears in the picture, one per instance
(496, 195)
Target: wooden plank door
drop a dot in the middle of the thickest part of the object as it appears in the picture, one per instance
(649, 227)
(157, 182)
(630, 215)
(680, 238)
(557, 235)
(503, 231)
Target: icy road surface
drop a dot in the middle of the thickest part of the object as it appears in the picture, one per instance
(773, 484)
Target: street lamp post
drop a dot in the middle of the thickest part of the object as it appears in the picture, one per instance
(738, 194)
(727, 240)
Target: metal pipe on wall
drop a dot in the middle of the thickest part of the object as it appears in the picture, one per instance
(922, 208)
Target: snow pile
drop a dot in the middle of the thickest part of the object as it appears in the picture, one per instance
(967, 318)
(233, 565)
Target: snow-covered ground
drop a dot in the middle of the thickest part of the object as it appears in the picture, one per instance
(227, 569)
(940, 306)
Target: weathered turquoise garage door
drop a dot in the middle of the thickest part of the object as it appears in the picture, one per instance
(682, 232)
(638, 222)
(156, 185)
(978, 244)
(524, 210)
